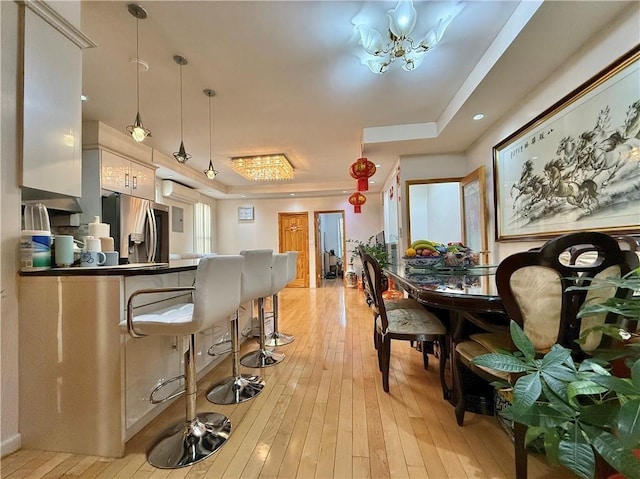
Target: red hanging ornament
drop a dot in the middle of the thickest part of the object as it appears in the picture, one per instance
(362, 170)
(357, 200)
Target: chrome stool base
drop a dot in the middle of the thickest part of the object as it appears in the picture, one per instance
(278, 339)
(185, 443)
(261, 358)
(234, 390)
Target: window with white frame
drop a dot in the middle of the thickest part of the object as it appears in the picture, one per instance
(202, 226)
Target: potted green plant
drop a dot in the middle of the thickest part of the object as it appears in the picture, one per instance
(579, 410)
(372, 247)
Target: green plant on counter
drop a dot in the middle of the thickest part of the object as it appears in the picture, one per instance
(372, 247)
(579, 409)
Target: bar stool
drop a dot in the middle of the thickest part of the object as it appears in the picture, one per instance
(238, 387)
(256, 281)
(279, 279)
(216, 295)
(292, 266)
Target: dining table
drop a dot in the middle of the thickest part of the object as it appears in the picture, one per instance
(464, 298)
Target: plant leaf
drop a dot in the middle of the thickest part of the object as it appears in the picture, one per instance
(585, 387)
(635, 374)
(556, 394)
(622, 459)
(576, 454)
(555, 357)
(526, 391)
(551, 445)
(629, 423)
(603, 416)
(522, 342)
(501, 362)
(618, 385)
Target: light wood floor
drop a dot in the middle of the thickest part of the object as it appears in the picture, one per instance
(323, 414)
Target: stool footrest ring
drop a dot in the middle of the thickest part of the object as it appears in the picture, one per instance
(164, 383)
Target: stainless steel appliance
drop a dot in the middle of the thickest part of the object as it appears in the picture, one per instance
(140, 228)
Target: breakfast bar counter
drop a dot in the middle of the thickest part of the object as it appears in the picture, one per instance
(87, 381)
(132, 269)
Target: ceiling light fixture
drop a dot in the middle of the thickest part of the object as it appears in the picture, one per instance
(181, 155)
(137, 131)
(263, 168)
(479, 116)
(380, 54)
(210, 172)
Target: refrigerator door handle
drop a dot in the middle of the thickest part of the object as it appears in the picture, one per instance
(153, 234)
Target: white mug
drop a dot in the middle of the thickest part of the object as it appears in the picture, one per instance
(63, 245)
(92, 244)
(92, 258)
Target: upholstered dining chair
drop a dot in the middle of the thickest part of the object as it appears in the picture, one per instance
(411, 323)
(533, 288)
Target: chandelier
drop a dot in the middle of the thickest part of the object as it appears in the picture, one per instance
(380, 54)
(263, 168)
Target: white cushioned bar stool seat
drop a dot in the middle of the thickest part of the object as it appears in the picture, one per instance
(256, 285)
(216, 295)
(238, 387)
(279, 279)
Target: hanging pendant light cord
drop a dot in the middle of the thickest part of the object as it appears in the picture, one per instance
(181, 103)
(210, 127)
(137, 66)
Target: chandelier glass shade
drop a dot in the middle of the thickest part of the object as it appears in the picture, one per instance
(181, 155)
(137, 131)
(263, 168)
(381, 52)
(210, 172)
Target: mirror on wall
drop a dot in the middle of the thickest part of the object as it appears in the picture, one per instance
(449, 209)
(434, 210)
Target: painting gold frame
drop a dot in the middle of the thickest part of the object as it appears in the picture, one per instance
(576, 166)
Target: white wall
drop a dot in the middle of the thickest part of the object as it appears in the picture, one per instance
(9, 230)
(613, 42)
(234, 236)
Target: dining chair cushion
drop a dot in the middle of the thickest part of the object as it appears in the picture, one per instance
(597, 296)
(494, 342)
(403, 303)
(538, 291)
(176, 320)
(467, 350)
(411, 321)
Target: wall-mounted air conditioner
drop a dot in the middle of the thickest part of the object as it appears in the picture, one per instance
(178, 192)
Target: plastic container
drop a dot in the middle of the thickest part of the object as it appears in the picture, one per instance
(98, 229)
(35, 250)
(36, 218)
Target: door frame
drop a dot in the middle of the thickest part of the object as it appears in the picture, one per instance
(318, 253)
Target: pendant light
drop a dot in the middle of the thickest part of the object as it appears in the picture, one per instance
(137, 131)
(181, 155)
(210, 172)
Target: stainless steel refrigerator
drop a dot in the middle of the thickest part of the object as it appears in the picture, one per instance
(140, 228)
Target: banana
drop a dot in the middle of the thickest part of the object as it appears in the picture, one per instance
(428, 246)
(421, 242)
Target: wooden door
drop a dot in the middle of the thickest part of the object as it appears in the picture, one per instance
(293, 235)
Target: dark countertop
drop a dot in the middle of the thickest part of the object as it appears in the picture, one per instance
(134, 269)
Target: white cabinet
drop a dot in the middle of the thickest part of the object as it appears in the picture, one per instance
(52, 110)
(122, 175)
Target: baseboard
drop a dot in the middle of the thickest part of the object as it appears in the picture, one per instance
(10, 445)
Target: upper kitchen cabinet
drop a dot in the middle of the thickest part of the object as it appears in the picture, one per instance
(113, 161)
(52, 85)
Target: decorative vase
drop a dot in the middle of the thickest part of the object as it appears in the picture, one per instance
(350, 279)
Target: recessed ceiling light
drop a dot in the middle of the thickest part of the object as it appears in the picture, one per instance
(292, 194)
(243, 196)
(344, 191)
(378, 165)
(371, 182)
(479, 116)
(84, 98)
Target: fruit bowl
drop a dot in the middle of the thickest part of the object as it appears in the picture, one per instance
(422, 261)
(460, 259)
